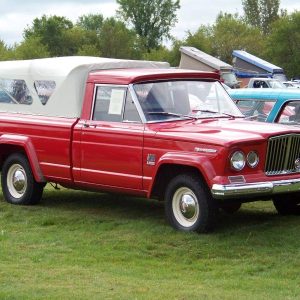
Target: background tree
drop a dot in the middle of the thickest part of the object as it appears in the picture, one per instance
(52, 33)
(231, 33)
(201, 39)
(5, 51)
(172, 55)
(117, 41)
(261, 13)
(283, 44)
(76, 38)
(31, 48)
(151, 19)
(91, 22)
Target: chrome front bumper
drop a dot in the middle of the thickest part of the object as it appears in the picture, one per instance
(252, 190)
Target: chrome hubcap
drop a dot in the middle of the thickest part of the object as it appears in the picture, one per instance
(19, 180)
(16, 181)
(188, 206)
(185, 207)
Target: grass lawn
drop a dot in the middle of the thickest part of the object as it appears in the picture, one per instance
(80, 245)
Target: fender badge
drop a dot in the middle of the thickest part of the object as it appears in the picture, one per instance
(151, 158)
(205, 150)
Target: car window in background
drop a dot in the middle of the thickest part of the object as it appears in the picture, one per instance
(290, 113)
(256, 110)
(275, 84)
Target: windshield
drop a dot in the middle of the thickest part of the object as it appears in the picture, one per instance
(169, 100)
(280, 77)
(275, 84)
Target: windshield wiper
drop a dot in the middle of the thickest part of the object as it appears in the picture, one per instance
(165, 113)
(214, 112)
(206, 111)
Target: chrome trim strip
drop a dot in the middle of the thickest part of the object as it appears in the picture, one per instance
(137, 103)
(249, 190)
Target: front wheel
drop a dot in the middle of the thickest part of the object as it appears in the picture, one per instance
(18, 183)
(287, 204)
(189, 205)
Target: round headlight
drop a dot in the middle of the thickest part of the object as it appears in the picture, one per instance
(252, 159)
(237, 160)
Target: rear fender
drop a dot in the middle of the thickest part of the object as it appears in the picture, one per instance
(25, 143)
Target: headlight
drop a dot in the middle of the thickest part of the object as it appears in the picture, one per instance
(237, 160)
(252, 159)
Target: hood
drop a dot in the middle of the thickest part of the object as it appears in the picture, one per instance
(222, 132)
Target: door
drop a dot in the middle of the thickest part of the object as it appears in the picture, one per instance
(112, 140)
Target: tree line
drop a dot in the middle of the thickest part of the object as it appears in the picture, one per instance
(140, 29)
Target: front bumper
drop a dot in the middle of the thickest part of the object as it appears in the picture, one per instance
(252, 190)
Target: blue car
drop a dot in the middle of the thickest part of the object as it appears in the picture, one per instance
(269, 105)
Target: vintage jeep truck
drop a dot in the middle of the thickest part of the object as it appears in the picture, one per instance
(144, 129)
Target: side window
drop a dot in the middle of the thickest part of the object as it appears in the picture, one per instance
(290, 113)
(14, 91)
(257, 110)
(44, 89)
(114, 104)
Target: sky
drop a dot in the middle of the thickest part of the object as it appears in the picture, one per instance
(16, 15)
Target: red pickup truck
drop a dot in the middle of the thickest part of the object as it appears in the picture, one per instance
(143, 129)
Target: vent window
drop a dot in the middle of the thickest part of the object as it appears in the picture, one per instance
(44, 89)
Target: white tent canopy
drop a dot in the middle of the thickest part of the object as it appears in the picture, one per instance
(69, 75)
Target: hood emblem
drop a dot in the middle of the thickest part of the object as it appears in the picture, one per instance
(297, 164)
(205, 150)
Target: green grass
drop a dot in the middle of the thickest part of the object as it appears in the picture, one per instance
(79, 245)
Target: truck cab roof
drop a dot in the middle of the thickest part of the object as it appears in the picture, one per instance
(128, 76)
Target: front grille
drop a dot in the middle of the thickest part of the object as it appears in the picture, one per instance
(282, 154)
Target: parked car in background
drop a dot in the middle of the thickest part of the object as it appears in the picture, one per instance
(292, 84)
(269, 105)
(265, 83)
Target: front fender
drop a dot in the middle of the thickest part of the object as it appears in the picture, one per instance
(25, 143)
(200, 162)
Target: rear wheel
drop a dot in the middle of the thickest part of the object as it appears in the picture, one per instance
(287, 204)
(18, 183)
(189, 205)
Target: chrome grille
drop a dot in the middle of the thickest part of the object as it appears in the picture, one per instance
(282, 153)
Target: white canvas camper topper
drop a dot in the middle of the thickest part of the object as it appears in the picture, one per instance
(54, 86)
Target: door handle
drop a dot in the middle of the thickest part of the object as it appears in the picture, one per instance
(88, 125)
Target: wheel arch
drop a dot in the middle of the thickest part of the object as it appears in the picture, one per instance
(172, 164)
(166, 172)
(10, 144)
